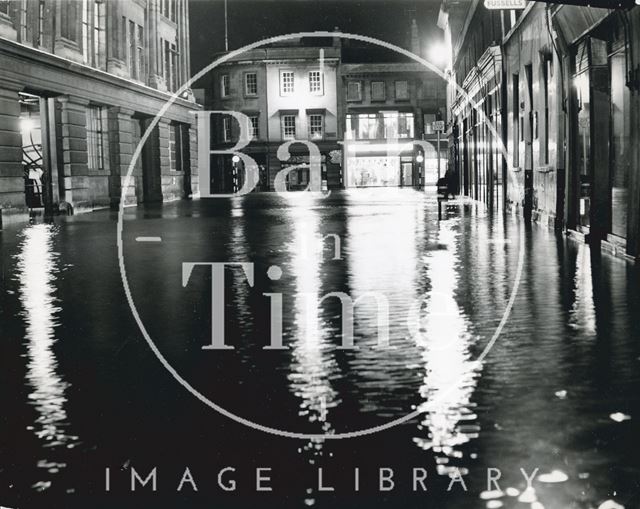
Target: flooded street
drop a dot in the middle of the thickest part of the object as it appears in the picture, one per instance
(82, 391)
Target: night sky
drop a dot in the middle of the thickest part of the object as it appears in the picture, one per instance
(253, 20)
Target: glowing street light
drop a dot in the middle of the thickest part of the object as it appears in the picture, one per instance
(439, 54)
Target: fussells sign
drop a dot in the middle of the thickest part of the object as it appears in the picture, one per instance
(505, 4)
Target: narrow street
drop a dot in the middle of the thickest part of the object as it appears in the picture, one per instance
(85, 392)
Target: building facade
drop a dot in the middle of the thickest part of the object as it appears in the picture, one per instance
(558, 84)
(80, 82)
(387, 108)
(365, 118)
(287, 92)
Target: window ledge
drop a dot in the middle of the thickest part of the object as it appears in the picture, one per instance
(545, 169)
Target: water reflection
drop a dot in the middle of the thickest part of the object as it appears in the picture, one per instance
(37, 270)
(582, 315)
(313, 361)
(450, 372)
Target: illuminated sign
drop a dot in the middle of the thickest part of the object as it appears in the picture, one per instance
(505, 4)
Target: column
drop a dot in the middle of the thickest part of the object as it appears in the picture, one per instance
(120, 125)
(193, 152)
(76, 193)
(12, 197)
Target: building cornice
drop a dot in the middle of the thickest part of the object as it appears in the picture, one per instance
(24, 64)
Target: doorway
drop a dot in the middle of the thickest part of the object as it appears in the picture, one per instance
(42, 187)
(148, 164)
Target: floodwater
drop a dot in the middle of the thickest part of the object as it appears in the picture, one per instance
(82, 390)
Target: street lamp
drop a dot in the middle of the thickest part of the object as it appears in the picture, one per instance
(439, 54)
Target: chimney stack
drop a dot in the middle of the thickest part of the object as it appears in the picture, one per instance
(415, 38)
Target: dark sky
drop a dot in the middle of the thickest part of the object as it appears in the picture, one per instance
(253, 20)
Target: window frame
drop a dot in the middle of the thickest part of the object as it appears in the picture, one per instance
(227, 132)
(310, 126)
(397, 96)
(225, 88)
(95, 127)
(283, 121)
(359, 85)
(320, 82)
(384, 91)
(283, 92)
(254, 130)
(248, 93)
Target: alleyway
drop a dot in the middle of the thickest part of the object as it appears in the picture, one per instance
(84, 390)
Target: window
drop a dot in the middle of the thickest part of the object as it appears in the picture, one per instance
(286, 82)
(251, 83)
(516, 120)
(429, 119)
(95, 145)
(316, 126)
(315, 82)
(288, 127)
(354, 91)
(5, 5)
(140, 53)
(170, 66)
(224, 85)
(377, 91)
(40, 34)
(405, 125)
(226, 129)
(133, 69)
(402, 90)
(85, 31)
(175, 147)
(546, 73)
(254, 128)
(99, 34)
(368, 126)
(168, 9)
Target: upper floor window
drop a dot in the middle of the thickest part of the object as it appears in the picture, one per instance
(316, 126)
(289, 127)
(86, 32)
(168, 9)
(170, 65)
(402, 90)
(224, 85)
(5, 7)
(286, 82)
(99, 33)
(377, 91)
(354, 91)
(254, 127)
(251, 83)
(315, 82)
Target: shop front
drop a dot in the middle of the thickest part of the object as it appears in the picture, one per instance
(601, 119)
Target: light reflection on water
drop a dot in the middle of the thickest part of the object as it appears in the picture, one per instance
(37, 269)
(450, 372)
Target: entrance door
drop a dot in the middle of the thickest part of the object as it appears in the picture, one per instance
(620, 144)
(407, 174)
(37, 128)
(150, 164)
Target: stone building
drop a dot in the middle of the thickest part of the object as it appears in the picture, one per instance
(559, 84)
(79, 83)
(387, 107)
(288, 92)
